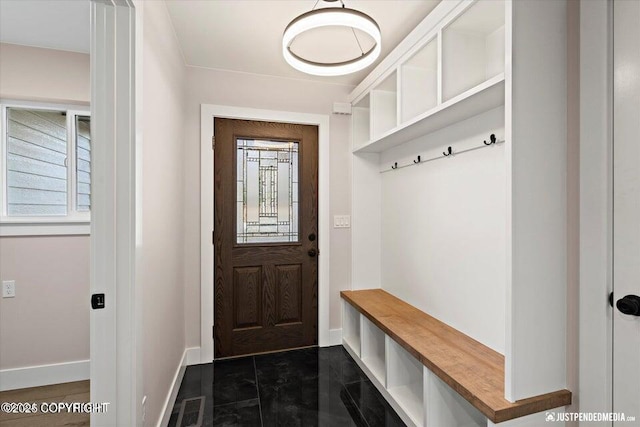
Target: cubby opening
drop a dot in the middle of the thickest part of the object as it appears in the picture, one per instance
(445, 407)
(405, 380)
(373, 349)
(384, 106)
(473, 48)
(419, 82)
(360, 114)
(351, 328)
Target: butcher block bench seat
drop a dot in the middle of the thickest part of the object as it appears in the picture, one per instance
(472, 369)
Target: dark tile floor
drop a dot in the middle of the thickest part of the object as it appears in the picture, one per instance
(308, 387)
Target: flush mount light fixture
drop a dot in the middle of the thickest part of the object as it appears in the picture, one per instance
(331, 17)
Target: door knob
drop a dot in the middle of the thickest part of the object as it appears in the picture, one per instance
(630, 305)
(312, 252)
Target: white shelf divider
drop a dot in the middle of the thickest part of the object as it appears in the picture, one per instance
(360, 114)
(418, 81)
(405, 381)
(373, 349)
(384, 106)
(351, 328)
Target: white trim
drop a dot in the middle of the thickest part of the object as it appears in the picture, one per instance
(207, 113)
(596, 197)
(36, 376)
(335, 337)
(192, 356)
(116, 366)
(45, 229)
(170, 400)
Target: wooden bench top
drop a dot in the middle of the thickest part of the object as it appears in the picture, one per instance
(472, 369)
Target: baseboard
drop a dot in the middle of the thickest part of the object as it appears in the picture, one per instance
(193, 356)
(335, 336)
(35, 376)
(190, 356)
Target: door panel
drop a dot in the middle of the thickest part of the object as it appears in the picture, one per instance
(288, 294)
(266, 272)
(626, 208)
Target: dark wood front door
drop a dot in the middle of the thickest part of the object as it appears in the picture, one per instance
(266, 228)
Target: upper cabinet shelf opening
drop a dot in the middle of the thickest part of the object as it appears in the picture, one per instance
(473, 48)
(455, 72)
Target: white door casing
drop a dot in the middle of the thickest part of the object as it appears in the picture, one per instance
(116, 369)
(626, 207)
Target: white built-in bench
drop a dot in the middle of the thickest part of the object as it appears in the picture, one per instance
(431, 373)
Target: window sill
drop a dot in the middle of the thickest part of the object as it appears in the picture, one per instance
(49, 228)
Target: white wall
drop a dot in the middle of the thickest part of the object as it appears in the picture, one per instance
(51, 307)
(160, 256)
(443, 228)
(205, 86)
(36, 74)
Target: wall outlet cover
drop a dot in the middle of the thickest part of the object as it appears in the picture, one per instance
(8, 289)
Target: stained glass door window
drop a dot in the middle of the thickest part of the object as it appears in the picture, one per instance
(267, 191)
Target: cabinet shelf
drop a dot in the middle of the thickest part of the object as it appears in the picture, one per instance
(372, 349)
(479, 99)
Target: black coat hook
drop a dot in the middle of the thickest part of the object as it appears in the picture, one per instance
(492, 140)
(417, 160)
(448, 152)
(395, 166)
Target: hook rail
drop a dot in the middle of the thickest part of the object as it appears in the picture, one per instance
(447, 153)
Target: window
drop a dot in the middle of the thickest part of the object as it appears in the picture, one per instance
(46, 165)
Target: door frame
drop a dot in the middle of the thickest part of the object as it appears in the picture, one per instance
(207, 114)
(596, 207)
(116, 96)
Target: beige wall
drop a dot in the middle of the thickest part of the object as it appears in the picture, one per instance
(206, 86)
(160, 258)
(51, 309)
(36, 74)
(48, 320)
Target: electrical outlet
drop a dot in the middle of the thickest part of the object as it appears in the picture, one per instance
(8, 289)
(341, 221)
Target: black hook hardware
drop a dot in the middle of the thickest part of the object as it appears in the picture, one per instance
(395, 166)
(492, 140)
(448, 152)
(417, 160)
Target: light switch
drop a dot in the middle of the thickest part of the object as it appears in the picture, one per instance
(8, 289)
(341, 221)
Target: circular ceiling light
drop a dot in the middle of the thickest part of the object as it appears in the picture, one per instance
(331, 17)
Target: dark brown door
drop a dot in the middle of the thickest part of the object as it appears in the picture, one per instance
(266, 228)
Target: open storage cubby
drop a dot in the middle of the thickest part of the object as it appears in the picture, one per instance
(351, 328)
(384, 106)
(373, 349)
(360, 114)
(419, 82)
(473, 48)
(405, 381)
(446, 407)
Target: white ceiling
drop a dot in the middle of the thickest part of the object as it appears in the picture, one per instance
(246, 35)
(236, 35)
(53, 24)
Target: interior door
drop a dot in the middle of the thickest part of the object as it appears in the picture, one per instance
(266, 227)
(626, 211)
